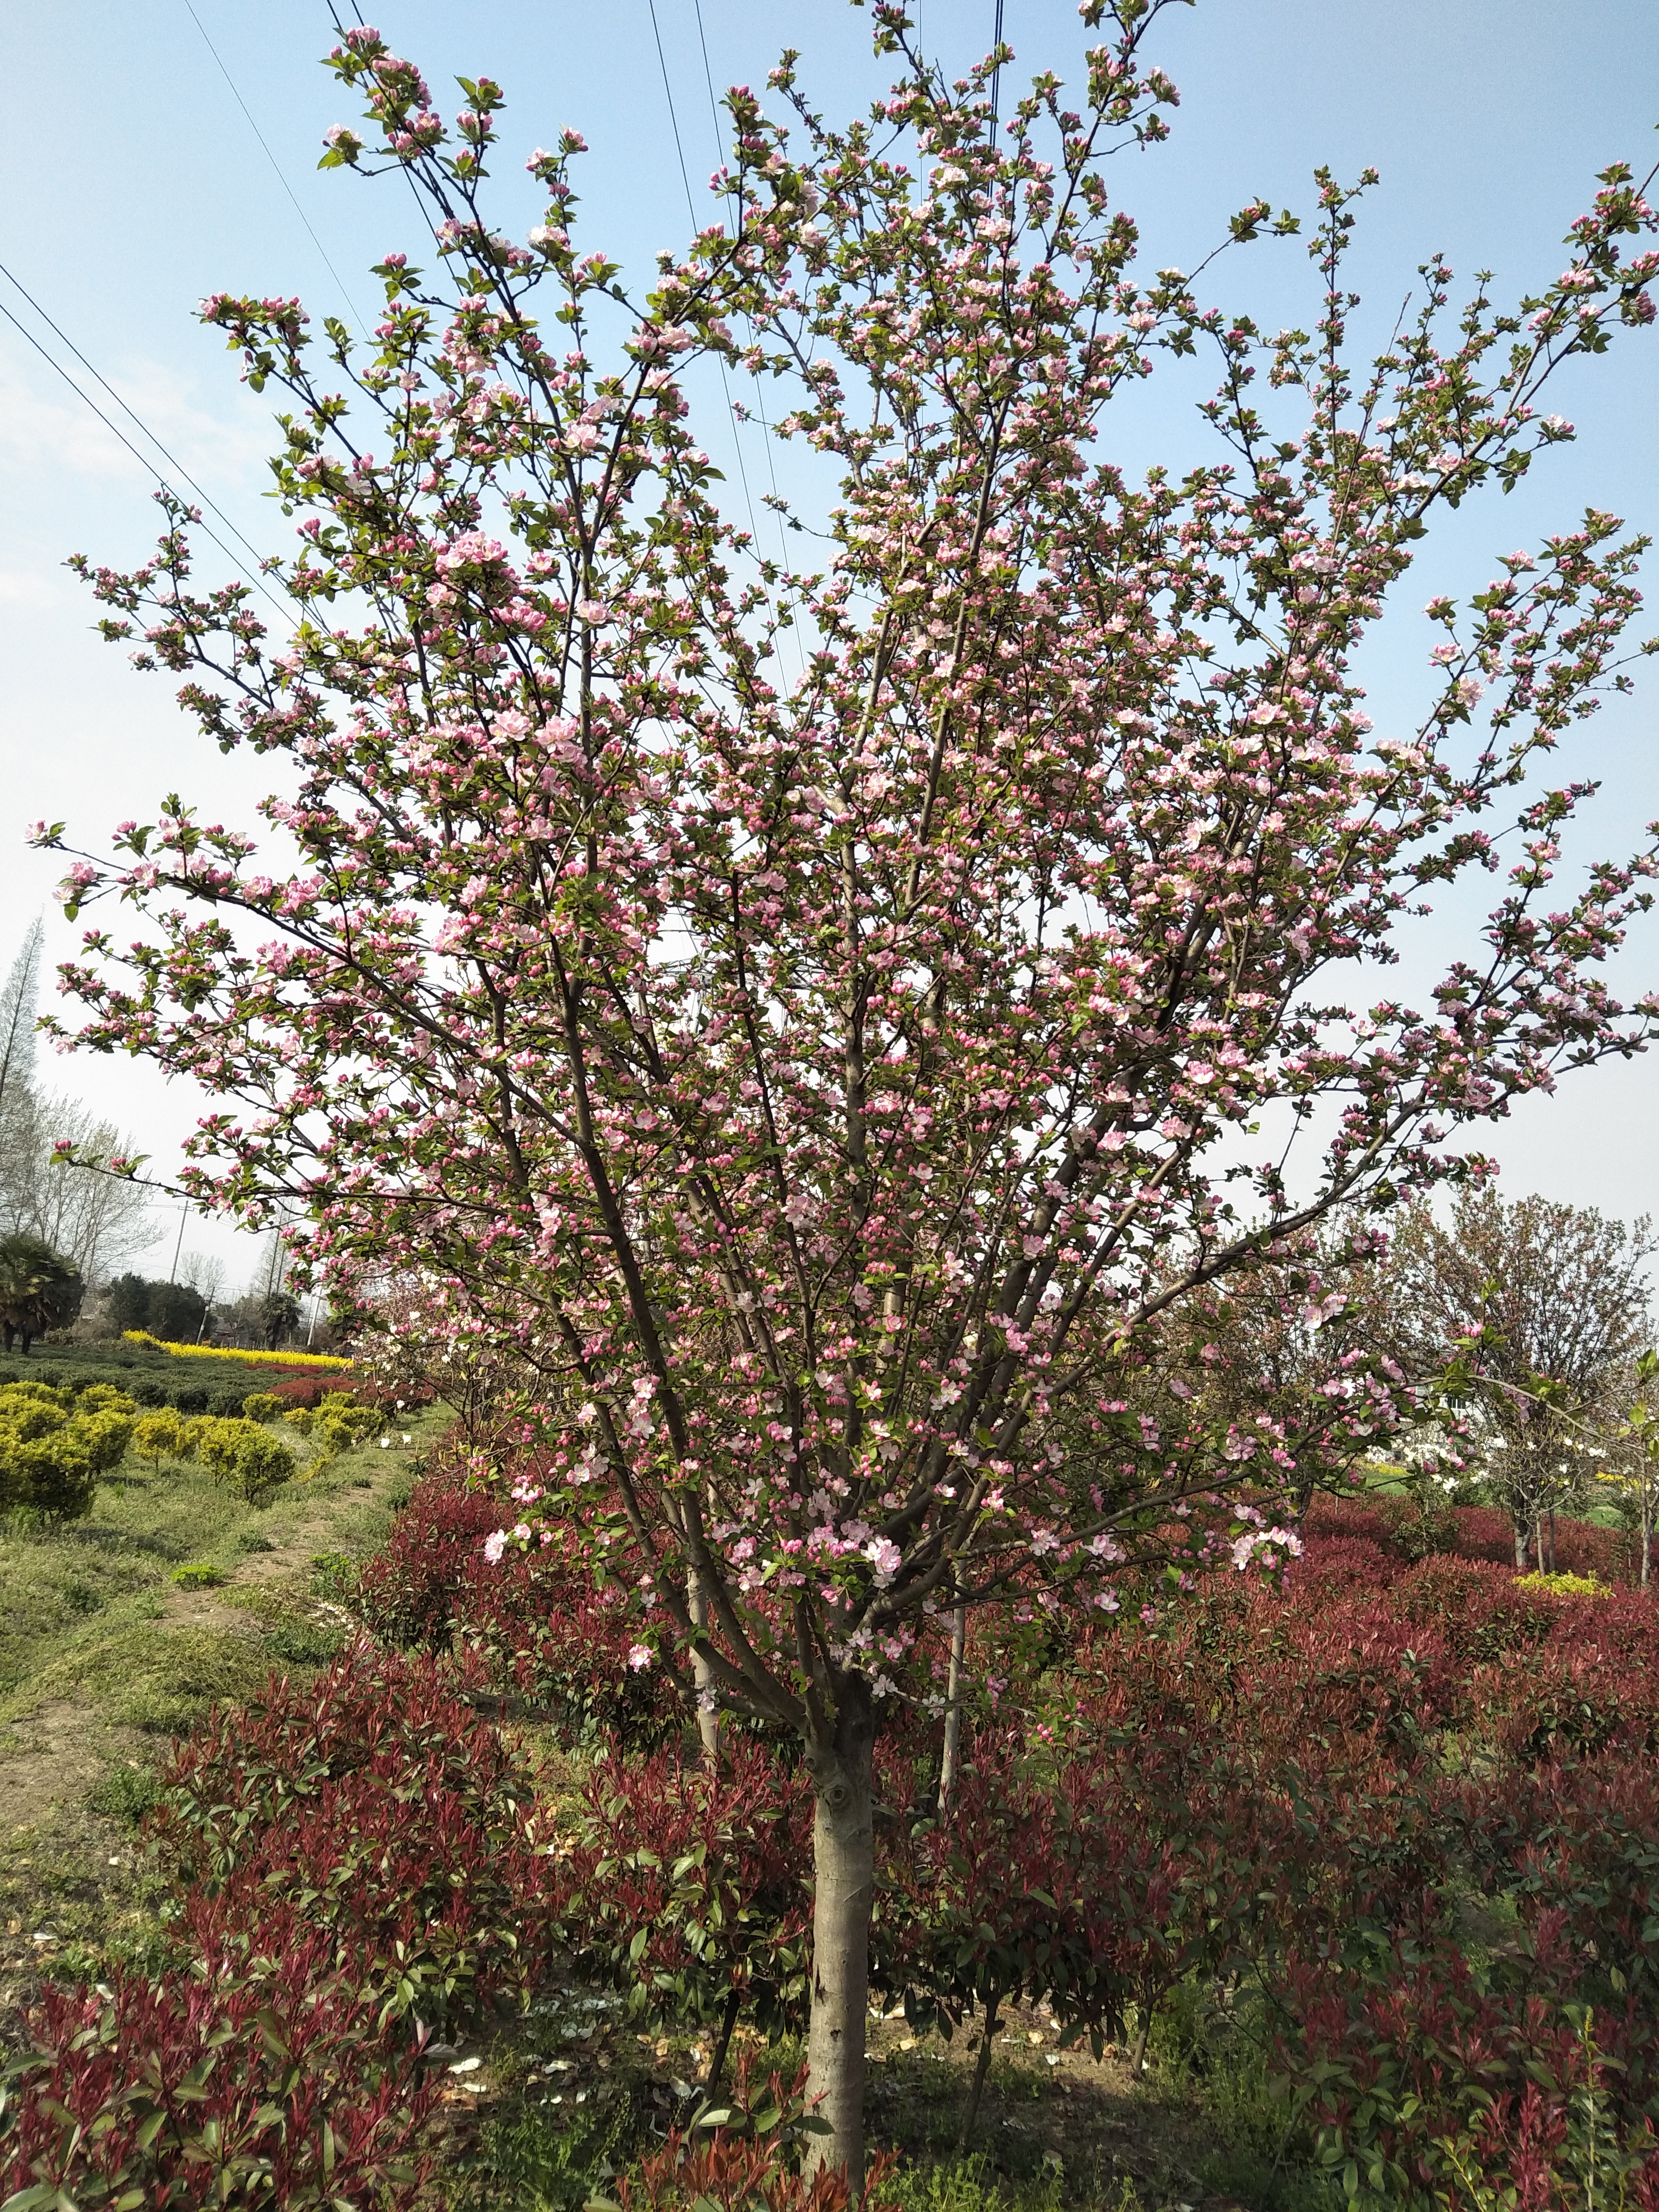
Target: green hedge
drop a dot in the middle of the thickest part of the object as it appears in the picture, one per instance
(150, 1378)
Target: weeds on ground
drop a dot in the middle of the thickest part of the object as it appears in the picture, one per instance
(126, 1792)
(1208, 2047)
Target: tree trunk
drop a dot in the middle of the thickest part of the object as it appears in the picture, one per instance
(1647, 1540)
(1520, 1546)
(709, 1718)
(723, 2040)
(1552, 1566)
(950, 1759)
(843, 1885)
(981, 2068)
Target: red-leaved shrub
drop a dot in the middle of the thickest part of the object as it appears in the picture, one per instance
(686, 1885)
(281, 2088)
(375, 1807)
(407, 1591)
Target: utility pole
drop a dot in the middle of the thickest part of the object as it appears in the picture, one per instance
(179, 1242)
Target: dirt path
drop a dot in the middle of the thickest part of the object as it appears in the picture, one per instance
(74, 1882)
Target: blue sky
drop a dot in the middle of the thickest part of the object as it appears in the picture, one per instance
(134, 184)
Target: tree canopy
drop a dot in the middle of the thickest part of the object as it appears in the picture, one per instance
(818, 1080)
(39, 1290)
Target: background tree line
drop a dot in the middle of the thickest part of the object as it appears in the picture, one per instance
(68, 1235)
(95, 1222)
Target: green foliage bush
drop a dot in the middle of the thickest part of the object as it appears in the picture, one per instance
(53, 1446)
(263, 1405)
(197, 1574)
(167, 1310)
(243, 1457)
(555, 2162)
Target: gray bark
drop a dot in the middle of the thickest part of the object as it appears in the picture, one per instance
(981, 2068)
(843, 1875)
(708, 1719)
(950, 1759)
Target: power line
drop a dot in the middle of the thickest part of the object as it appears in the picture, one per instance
(351, 307)
(709, 79)
(142, 459)
(691, 208)
(673, 119)
(760, 396)
(172, 459)
(996, 71)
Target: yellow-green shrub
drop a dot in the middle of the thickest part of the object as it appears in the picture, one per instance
(104, 1398)
(159, 1436)
(24, 1419)
(242, 1457)
(338, 1425)
(106, 1436)
(1565, 1585)
(53, 1448)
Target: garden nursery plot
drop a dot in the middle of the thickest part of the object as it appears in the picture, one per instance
(1340, 1891)
(897, 1686)
(194, 1378)
(124, 1626)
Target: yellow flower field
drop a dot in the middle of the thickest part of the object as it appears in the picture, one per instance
(223, 1352)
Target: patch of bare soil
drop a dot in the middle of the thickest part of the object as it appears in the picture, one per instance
(1047, 2111)
(1091, 2129)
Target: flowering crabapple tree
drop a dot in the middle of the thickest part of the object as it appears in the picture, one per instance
(818, 1022)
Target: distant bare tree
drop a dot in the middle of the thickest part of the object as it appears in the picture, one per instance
(99, 1221)
(1564, 1290)
(204, 1274)
(19, 997)
(1262, 1347)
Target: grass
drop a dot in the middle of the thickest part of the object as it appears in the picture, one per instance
(82, 1605)
(118, 1632)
